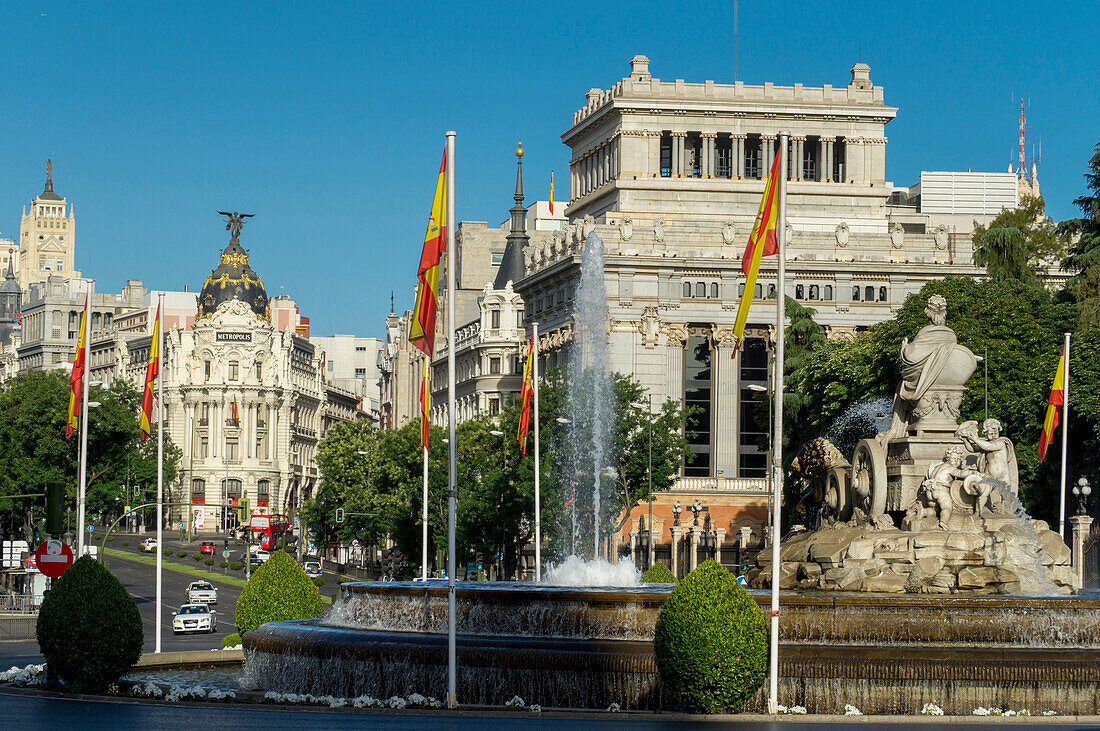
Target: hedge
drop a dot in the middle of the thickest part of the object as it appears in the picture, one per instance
(278, 590)
(658, 573)
(89, 629)
(231, 640)
(711, 642)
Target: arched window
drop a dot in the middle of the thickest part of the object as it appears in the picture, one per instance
(771, 291)
(855, 294)
(799, 292)
(687, 289)
(741, 289)
(758, 292)
(700, 289)
(815, 292)
(198, 491)
(868, 294)
(714, 290)
(882, 294)
(828, 291)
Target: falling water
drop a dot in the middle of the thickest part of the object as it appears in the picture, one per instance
(861, 420)
(590, 394)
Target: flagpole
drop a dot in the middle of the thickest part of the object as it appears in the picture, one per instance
(160, 460)
(777, 438)
(81, 544)
(1065, 441)
(452, 664)
(424, 448)
(538, 501)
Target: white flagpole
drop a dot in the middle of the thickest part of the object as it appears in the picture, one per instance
(538, 501)
(452, 476)
(777, 437)
(424, 448)
(1065, 442)
(82, 491)
(160, 459)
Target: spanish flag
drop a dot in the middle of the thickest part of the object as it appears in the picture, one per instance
(422, 330)
(1057, 398)
(425, 403)
(236, 413)
(151, 372)
(551, 192)
(525, 397)
(762, 242)
(76, 380)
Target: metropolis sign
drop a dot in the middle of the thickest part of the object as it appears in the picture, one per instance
(234, 337)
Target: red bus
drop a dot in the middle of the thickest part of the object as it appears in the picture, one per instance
(270, 529)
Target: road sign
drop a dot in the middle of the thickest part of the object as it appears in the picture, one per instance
(355, 543)
(53, 557)
(225, 553)
(181, 525)
(91, 528)
(742, 581)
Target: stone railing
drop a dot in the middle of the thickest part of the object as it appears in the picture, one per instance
(721, 484)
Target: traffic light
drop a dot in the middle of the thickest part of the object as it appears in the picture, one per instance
(339, 515)
(55, 508)
(242, 511)
(227, 544)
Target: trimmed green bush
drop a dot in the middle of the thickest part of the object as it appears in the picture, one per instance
(223, 564)
(711, 642)
(110, 539)
(231, 640)
(318, 580)
(236, 566)
(278, 590)
(89, 628)
(658, 573)
(125, 543)
(197, 556)
(209, 562)
(181, 554)
(168, 551)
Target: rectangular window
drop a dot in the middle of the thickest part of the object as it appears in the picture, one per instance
(261, 445)
(700, 289)
(232, 451)
(494, 318)
(494, 365)
(204, 447)
(234, 367)
(259, 372)
(206, 370)
(496, 259)
(519, 318)
(666, 155)
(360, 349)
(360, 372)
(494, 406)
(697, 399)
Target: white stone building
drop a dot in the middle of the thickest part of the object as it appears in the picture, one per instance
(47, 237)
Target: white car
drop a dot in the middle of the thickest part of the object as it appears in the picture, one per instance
(194, 618)
(201, 592)
(149, 545)
(312, 568)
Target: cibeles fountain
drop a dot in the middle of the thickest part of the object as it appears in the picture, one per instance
(922, 581)
(928, 505)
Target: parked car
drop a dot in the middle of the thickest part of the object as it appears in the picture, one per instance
(149, 545)
(208, 548)
(312, 568)
(201, 592)
(257, 557)
(194, 618)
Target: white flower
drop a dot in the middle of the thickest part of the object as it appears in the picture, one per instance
(797, 710)
(149, 690)
(396, 702)
(980, 711)
(1009, 713)
(217, 694)
(515, 702)
(29, 675)
(1050, 713)
(931, 709)
(534, 708)
(613, 708)
(850, 710)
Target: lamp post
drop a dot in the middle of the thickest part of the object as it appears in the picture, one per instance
(504, 479)
(676, 510)
(649, 477)
(572, 496)
(1081, 491)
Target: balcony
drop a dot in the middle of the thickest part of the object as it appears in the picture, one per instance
(741, 485)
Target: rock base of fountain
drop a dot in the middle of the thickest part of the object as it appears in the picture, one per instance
(996, 554)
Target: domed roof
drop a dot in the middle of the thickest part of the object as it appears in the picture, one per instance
(234, 278)
(10, 285)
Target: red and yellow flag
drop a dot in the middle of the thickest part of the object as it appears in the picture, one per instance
(422, 331)
(425, 403)
(525, 397)
(1057, 398)
(762, 242)
(551, 192)
(76, 380)
(151, 372)
(236, 412)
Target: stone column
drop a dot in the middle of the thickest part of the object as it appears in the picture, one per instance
(719, 537)
(708, 154)
(767, 154)
(827, 144)
(634, 546)
(677, 530)
(678, 154)
(737, 150)
(613, 548)
(1080, 525)
(799, 144)
(653, 537)
(693, 561)
(746, 536)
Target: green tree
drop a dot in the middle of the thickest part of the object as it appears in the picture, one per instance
(1084, 254)
(1004, 254)
(1043, 241)
(34, 450)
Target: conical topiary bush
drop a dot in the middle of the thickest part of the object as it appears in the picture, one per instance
(278, 590)
(711, 642)
(658, 573)
(89, 628)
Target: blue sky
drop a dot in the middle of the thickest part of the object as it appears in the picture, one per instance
(326, 120)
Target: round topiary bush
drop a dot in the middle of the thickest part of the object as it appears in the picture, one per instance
(125, 543)
(658, 573)
(223, 564)
(279, 589)
(181, 554)
(209, 562)
(169, 551)
(197, 556)
(232, 640)
(236, 566)
(89, 628)
(711, 641)
(110, 539)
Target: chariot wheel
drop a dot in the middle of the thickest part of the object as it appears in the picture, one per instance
(869, 477)
(838, 494)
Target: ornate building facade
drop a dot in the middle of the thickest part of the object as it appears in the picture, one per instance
(47, 237)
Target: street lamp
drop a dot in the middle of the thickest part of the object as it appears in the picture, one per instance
(504, 473)
(768, 472)
(1081, 491)
(676, 510)
(649, 476)
(696, 508)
